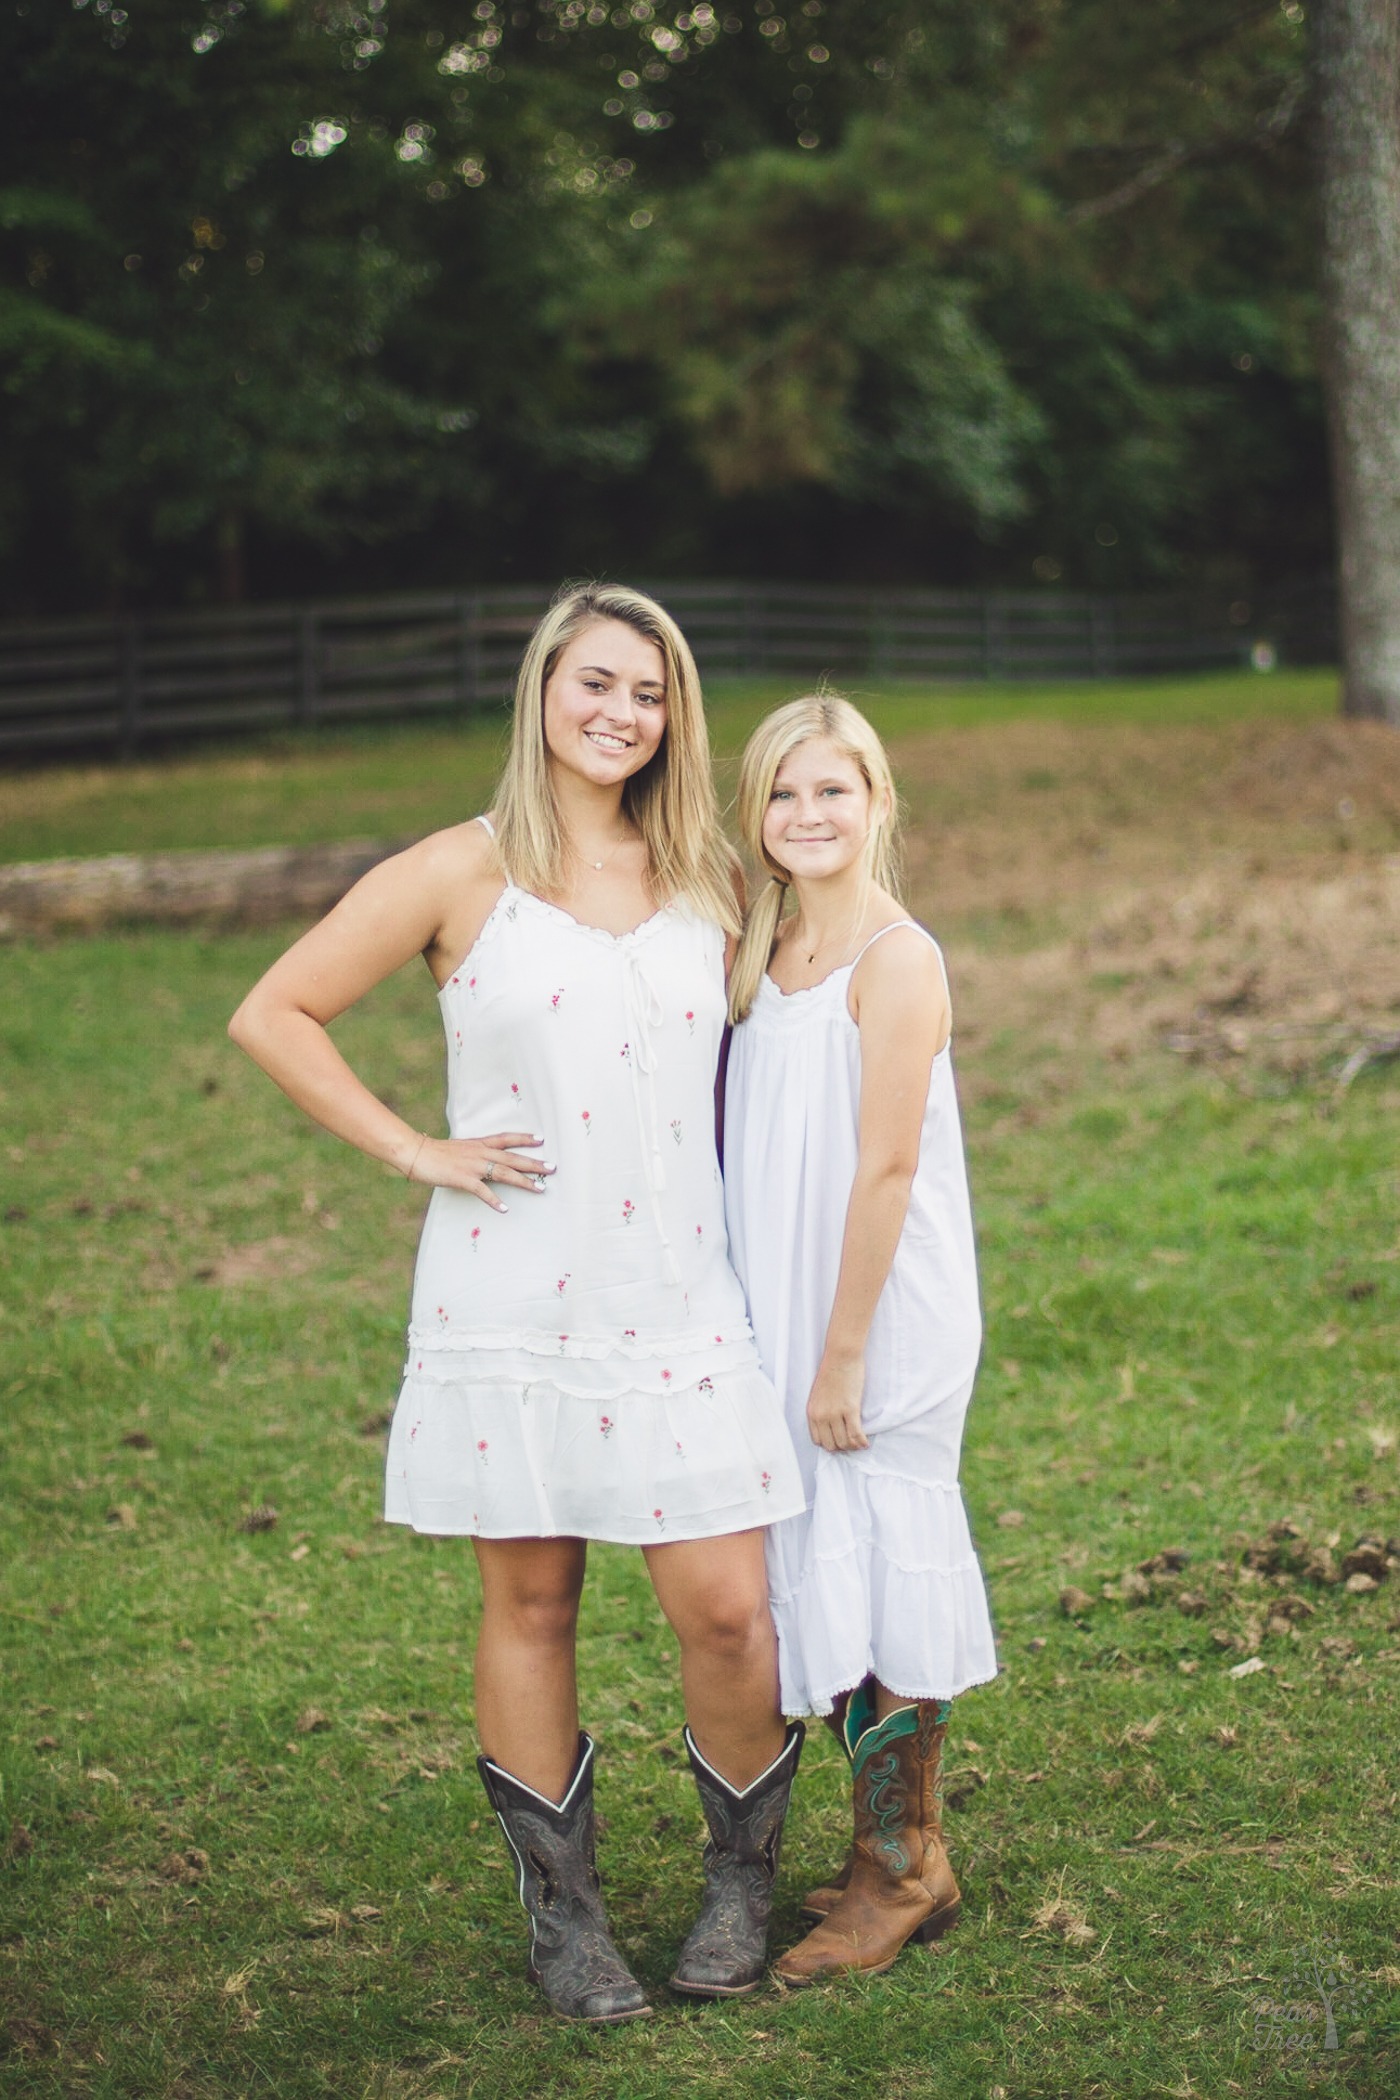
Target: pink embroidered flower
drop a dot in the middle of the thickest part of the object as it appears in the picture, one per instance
(606, 1426)
(660, 1519)
(767, 1482)
(631, 1333)
(476, 1235)
(719, 1340)
(457, 980)
(481, 1452)
(625, 1053)
(587, 1123)
(444, 1317)
(514, 1091)
(629, 1210)
(471, 986)
(707, 1385)
(680, 1448)
(563, 1283)
(690, 1021)
(699, 1235)
(554, 999)
(665, 1377)
(676, 1128)
(412, 1434)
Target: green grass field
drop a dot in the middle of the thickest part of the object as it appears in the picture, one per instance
(396, 781)
(242, 1846)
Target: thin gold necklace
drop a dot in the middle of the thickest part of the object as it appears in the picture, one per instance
(845, 940)
(598, 865)
(824, 944)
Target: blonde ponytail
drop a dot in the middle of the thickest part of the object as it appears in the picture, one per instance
(761, 924)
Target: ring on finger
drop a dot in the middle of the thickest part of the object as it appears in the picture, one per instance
(488, 1172)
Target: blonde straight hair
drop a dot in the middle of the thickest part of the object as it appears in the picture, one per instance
(826, 715)
(671, 801)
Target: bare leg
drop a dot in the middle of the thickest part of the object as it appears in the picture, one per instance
(888, 1702)
(714, 1592)
(526, 1672)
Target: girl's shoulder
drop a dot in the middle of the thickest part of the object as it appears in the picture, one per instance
(881, 954)
(460, 867)
(899, 974)
(466, 849)
(896, 921)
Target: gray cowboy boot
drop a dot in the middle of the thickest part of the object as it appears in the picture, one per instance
(725, 1953)
(572, 1956)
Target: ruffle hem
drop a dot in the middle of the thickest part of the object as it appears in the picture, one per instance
(881, 1580)
(566, 1451)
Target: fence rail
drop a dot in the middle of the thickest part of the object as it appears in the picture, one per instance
(129, 684)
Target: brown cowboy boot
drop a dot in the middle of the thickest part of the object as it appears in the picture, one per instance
(901, 1886)
(848, 1722)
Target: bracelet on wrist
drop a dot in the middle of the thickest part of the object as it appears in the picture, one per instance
(408, 1170)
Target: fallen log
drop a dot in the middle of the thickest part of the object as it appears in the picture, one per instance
(251, 888)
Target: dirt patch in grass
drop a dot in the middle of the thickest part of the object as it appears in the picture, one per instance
(1231, 895)
(261, 1261)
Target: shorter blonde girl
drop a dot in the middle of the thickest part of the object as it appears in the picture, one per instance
(832, 716)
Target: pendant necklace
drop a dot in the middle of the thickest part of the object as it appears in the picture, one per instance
(598, 865)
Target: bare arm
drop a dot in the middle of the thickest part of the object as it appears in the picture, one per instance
(900, 1004)
(420, 902)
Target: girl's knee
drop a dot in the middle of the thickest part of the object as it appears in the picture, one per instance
(544, 1617)
(730, 1624)
(536, 1602)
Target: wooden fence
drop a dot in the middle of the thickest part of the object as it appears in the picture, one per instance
(130, 684)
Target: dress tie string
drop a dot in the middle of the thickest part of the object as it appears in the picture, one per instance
(645, 1014)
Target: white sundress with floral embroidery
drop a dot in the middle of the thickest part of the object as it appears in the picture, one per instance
(583, 1366)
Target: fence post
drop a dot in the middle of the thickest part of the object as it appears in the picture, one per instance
(1102, 638)
(129, 686)
(877, 637)
(468, 656)
(309, 667)
(755, 608)
(991, 636)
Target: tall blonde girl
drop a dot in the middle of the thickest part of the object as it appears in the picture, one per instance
(580, 1364)
(849, 1218)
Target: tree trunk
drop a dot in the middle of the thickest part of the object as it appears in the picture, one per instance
(1356, 50)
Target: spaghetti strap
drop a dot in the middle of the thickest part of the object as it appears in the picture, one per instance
(913, 924)
(894, 927)
(489, 828)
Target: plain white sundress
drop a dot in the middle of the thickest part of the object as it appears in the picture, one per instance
(583, 1366)
(880, 1575)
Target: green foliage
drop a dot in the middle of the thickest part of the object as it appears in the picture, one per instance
(914, 292)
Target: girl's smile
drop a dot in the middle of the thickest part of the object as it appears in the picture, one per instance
(817, 823)
(605, 703)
